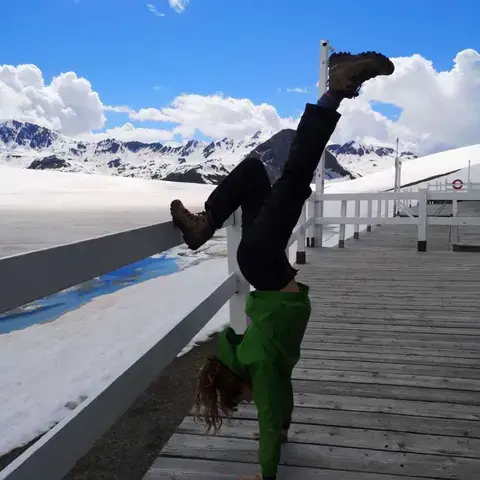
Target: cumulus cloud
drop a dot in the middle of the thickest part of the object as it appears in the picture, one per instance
(179, 5)
(216, 116)
(129, 133)
(153, 9)
(439, 109)
(67, 104)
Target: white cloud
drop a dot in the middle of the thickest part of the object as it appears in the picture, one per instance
(299, 90)
(117, 108)
(179, 5)
(67, 104)
(153, 9)
(216, 116)
(129, 133)
(439, 109)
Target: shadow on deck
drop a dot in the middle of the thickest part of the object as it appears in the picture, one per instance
(388, 386)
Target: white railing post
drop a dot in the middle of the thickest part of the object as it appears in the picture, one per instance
(379, 210)
(301, 257)
(320, 177)
(343, 214)
(454, 207)
(369, 214)
(311, 228)
(386, 208)
(422, 220)
(356, 231)
(238, 317)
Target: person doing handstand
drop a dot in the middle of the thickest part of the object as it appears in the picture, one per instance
(258, 364)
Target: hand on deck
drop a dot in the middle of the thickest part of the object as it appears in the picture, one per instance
(255, 477)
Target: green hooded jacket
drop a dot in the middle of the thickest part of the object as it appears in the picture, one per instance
(266, 355)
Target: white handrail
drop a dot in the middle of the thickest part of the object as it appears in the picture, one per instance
(25, 278)
(421, 220)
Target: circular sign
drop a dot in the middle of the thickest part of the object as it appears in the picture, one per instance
(457, 184)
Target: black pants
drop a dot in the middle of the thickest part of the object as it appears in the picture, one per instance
(270, 213)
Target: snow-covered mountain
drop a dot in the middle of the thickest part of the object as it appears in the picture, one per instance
(361, 159)
(30, 146)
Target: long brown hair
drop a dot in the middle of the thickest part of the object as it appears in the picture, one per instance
(218, 391)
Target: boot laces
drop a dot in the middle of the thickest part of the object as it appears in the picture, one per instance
(194, 217)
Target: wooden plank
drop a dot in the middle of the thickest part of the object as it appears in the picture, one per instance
(318, 328)
(402, 336)
(353, 348)
(319, 456)
(375, 421)
(399, 392)
(403, 359)
(166, 468)
(396, 340)
(389, 368)
(351, 437)
(318, 321)
(370, 314)
(408, 306)
(386, 378)
(376, 404)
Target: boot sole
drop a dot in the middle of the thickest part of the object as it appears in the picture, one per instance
(386, 65)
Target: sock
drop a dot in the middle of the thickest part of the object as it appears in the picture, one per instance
(330, 99)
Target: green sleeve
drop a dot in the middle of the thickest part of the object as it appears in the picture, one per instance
(287, 404)
(267, 390)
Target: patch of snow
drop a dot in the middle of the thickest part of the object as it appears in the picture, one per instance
(48, 369)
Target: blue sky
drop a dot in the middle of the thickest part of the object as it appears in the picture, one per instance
(243, 48)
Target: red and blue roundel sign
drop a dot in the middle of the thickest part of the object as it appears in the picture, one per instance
(457, 184)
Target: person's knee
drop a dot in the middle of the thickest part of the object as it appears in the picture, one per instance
(253, 163)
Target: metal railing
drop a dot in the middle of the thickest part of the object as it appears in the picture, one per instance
(34, 275)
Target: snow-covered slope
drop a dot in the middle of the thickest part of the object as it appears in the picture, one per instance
(413, 171)
(361, 159)
(29, 146)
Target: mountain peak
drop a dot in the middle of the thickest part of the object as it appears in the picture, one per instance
(29, 145)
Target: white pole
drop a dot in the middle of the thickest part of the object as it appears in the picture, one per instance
(238, 317)
(320, 177)
(343, 214)
(356, 228)
(301, 258)
(469, 178)
(395, 185)
(422, 221)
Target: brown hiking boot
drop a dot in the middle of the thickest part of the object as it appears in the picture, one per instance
(197, 229)
(348, 72)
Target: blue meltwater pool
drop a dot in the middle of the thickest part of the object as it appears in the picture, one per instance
(52, 307)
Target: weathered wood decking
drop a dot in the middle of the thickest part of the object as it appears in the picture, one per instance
(388, 386)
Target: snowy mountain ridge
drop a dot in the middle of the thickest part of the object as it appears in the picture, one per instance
(362, 159)
(26, 145)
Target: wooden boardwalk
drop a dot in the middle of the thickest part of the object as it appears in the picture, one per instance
(388, 385)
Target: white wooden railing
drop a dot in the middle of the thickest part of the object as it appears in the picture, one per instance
(378, 209)
(31, 276)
